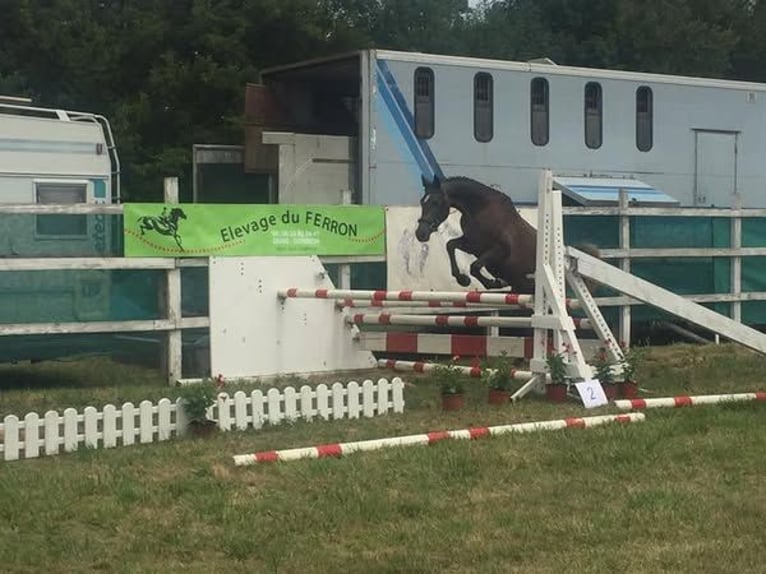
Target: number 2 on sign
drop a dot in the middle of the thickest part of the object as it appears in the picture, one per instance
(591, 393)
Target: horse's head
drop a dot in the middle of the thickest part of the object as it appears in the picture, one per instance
(434, 209)
(177, 213)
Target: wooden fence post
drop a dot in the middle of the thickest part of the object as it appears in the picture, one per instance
(172, 349)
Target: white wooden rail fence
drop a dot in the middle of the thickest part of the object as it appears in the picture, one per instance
(33, 435)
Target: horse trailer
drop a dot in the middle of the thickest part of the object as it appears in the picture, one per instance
(374, 122)
(54, 156)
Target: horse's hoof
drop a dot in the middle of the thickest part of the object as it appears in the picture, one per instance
(463, 280)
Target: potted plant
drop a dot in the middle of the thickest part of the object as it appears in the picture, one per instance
(632, 359)
(498, 378)
(604, 374)
(450, 379)
(556, 389)
(196, 398)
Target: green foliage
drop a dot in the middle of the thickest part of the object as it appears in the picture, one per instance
(197, 398)
(449, 377)
(634, 358)
(171, 74)
(557, 367)
(603, 367)
(497, 373)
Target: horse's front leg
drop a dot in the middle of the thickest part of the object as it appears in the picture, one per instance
(178, 241)
(453, 244)
(481, 262)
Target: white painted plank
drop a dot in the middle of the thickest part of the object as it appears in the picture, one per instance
(224, 404)
(90, 425)
(307, 403)
(398, 394)
(83, 263)
(240, 410)
(353, 394)
(368, 398)
(128, 424)
(164, 428)
(323, 401)
(8, 329)
(11, 437)
(32, 435)
(383, 400)
(642, 290)
(70, 430)
(257, 401)
(338, 406)
(52, 437)
(146, 421)
(291, 404)
(110, 426)
(274, 406)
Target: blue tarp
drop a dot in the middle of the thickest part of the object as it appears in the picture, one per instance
(589, 191)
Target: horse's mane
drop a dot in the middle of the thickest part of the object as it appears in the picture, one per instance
(474, 191)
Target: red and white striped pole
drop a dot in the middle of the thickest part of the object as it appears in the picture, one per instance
(423, 367)
(341, 449)
(687, 401)
(448, 320)
(380, 295)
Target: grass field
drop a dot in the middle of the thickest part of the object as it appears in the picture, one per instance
(684, 491)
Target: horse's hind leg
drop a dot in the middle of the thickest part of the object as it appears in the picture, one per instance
(453, 244)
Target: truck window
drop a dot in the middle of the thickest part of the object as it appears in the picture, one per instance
(482, 107)
(644, 118)
(424, 103)
(61, 225)
(539, 111)
(593, 115)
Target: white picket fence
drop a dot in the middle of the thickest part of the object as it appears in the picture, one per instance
(33, 436)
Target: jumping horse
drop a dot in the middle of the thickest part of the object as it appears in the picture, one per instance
(502, 241)
(164, 224)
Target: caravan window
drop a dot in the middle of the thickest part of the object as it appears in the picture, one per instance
(61, 225)
(644, 118)
(593, 115)
(424, 103)
(539, 111)
(482, 107)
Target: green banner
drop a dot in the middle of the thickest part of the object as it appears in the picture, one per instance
(201, 230)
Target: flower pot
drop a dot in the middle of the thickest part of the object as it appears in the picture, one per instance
(611, 390)
(499, 397)
(453, 402)
(630, 390)
(202, 428)
(556, 392)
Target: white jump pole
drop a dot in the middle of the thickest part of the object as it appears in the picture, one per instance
(425, 367)
(367, 303)
(688, 401)
(447, 320)
(341, 449)
(444, 296)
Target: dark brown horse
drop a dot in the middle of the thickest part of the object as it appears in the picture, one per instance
(493, 231)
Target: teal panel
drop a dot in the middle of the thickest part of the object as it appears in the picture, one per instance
(99, 188)
(753, 232)
(602, 231)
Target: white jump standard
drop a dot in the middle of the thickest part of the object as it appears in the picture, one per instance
(259, 328)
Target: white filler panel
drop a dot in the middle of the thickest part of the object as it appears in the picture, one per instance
(254, 334)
